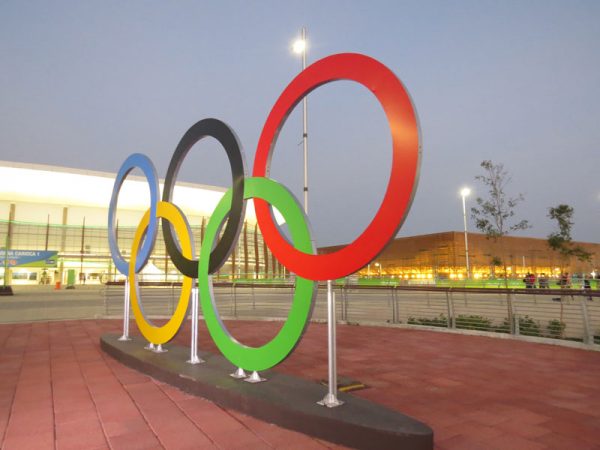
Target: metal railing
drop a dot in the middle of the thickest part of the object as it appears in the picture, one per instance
(554, 313)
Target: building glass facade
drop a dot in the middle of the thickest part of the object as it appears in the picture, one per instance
(442, 256)
(85, 250)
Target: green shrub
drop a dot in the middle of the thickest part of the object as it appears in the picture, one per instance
(504, 327)
(529, 327)
(440, 321)
(473, 323)
(556, 328)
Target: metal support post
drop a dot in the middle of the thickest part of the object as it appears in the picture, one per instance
(588, 337)
(517, 327)
(194, 359)
(511, 318)
(394, 306)
(344, 291)
(450, 305)
(397, 303)
(125, 336)
(464, 193)
(159, 349)
(235, 305)
(330, 400)
(305, 128)
(234, 298)
(155, 348)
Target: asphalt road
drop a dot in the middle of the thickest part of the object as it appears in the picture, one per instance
(35, 303)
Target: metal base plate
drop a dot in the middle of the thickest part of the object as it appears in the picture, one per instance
(239, 374)
(195, 360)
(255, 378)
(330, 401)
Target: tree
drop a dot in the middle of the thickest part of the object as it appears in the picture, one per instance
(495, 261)
(561, 241)
(494, 216)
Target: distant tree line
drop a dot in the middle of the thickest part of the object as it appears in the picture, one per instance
(495, 214)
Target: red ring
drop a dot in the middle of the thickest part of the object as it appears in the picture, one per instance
(402, 119)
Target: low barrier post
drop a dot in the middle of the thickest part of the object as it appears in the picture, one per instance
(450, 307)
(125, 336)
(588, 337)
(194, 359)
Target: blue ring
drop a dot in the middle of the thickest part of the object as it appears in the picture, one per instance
(136, 160)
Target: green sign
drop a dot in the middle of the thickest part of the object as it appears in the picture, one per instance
(28, 258)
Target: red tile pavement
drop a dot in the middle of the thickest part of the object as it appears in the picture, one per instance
(59, 390)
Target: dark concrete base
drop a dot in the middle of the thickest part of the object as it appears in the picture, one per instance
(6, 290)
(284, 400)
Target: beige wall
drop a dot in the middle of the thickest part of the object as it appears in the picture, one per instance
(444, 254)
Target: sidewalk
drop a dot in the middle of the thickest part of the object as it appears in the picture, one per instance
(59, 390)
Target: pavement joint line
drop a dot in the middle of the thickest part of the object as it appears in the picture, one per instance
(51, 382)
(12, 403)
(104, 358)
(93, 400)
(507, 397)
(160, 386)
(144, 416)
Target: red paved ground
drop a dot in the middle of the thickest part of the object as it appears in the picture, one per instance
(59, 390)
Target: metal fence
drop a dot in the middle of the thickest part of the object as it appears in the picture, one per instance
(558, 314)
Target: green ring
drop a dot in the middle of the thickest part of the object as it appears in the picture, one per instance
(276, 350)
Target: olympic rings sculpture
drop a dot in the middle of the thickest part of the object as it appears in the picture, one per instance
(299, 256)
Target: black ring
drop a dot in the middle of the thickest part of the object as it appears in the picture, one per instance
(227, 138)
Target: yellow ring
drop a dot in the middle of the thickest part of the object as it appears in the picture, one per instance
(161, 335)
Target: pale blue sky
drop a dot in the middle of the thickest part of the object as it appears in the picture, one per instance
(84, 84)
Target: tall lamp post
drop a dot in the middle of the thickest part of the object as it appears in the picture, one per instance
(5, 276)
(464, 193)
(300, 48)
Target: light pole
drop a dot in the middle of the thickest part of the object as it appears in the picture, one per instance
(5, 275)
(300, 48)
(464, 193)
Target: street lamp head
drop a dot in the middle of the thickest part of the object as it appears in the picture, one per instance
(299, 46)
(465, 192)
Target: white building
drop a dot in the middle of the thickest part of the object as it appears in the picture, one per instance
(64, 210)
